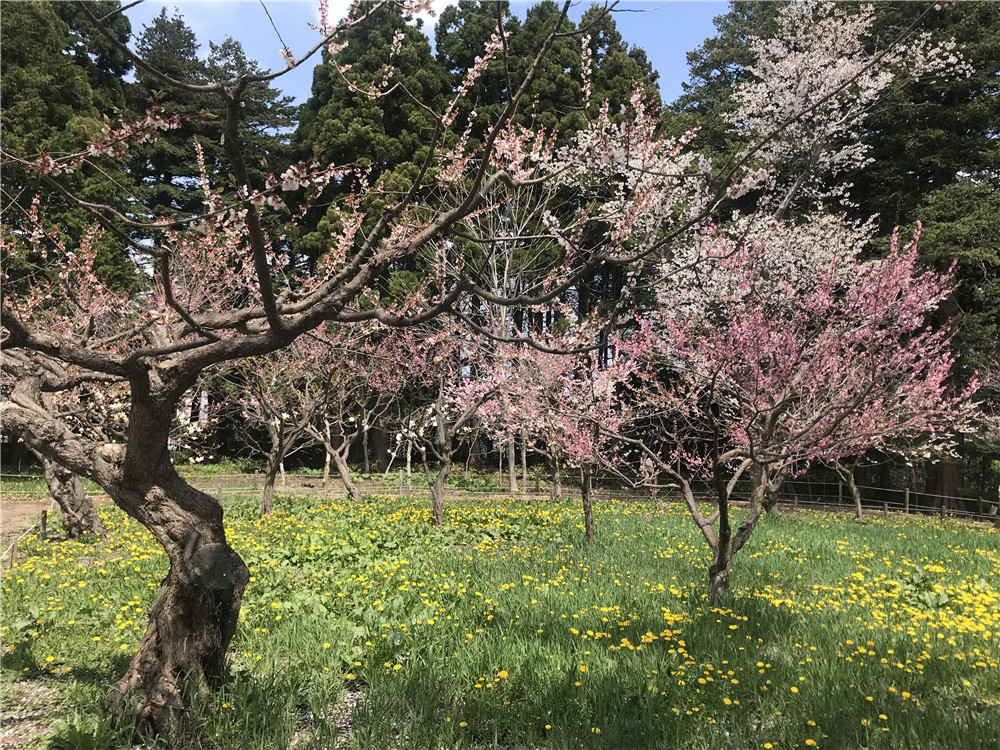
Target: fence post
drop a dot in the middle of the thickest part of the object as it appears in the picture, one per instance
(906, 501)
(43, 524)
(840, 493)
(400, 481)
(885, 508)
(256, 476)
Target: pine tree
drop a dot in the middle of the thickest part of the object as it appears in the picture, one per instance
(168, 170)
(53, 91)
(388, 134)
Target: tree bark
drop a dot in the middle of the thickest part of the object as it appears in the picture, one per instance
(524, 464)
(588, 507)
(512, 465)
(409, 468)
(718, 578)
(437, 491)
(326, 460)
(196, 612)
(380, 438)
(78, 514)
(270, 476)
(556, 479)
(728, 543)
(345, 474)
(339, 456)
(364, 451)
(847, 474)
(197, 607)
(943, 479)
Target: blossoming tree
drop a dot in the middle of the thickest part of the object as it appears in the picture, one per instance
(279, 395)
(764, 384)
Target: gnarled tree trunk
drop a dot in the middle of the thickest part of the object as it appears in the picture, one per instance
(196, 611)
(197, 607)
(78, 514)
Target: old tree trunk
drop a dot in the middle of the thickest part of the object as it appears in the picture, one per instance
(196, 610)
(78, 514)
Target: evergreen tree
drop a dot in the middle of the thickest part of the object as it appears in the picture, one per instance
(53, 89)
(167, 169)
(716, 67)
(387, 134)
(937, 160)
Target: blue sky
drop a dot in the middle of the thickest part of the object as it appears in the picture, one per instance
(666, 29)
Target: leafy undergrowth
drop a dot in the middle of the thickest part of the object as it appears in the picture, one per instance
(364, 627)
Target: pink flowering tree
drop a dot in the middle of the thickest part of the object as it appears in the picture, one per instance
(457, 379)
(365, 371)
(222, 292)
(772, 379)
(569, 405)
(278, 397)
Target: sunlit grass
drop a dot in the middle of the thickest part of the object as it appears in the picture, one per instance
(504, 628)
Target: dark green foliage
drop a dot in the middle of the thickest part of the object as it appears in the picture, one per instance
(54, 93)
(168, 169)
(936, 160)
(388, 135)
(716, 67)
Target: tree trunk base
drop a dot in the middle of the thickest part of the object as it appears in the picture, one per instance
(184, 648)
(194, 616)
(718, 583)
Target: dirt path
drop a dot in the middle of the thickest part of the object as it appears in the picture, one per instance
(17, 516)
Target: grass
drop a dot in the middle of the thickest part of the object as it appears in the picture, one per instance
(31, 484)
(363, 627)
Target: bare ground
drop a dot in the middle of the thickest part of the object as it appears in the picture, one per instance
(29, 709)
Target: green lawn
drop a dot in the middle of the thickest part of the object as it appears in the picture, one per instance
(365, 627)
